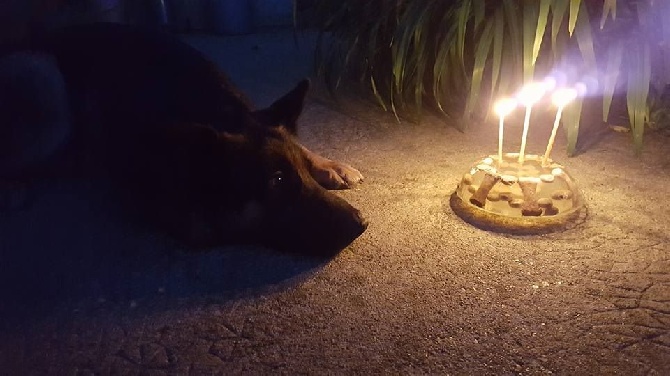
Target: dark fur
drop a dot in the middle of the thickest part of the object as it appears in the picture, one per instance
(173, 132)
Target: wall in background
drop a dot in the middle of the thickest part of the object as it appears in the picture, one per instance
(19, 16)
(273, 12)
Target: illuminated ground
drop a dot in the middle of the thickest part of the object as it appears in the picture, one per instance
(420, 292)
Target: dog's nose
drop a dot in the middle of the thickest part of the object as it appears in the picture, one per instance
(362, 223)
(343, 233)
(353, 228)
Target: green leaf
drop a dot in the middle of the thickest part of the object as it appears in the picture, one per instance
(639, 77)
(575, 7)
(481, 56)
(542, 18)
(442, 65)
(515, 35)
(392, 101)
(399, 48)
(609, 8)
(420, 60)
(498, 38)
(560, 47)
(405, 39)
(614, 57)
(510, 75)
(559, 9)
(347, 57)
(444, 68)
(379, 98)
(585, 39)
(530, 18)
(479, 10)
(463, 18)
(572, 115)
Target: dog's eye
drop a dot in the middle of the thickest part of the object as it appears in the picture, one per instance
(276, 180)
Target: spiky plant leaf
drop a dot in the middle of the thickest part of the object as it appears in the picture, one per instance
(479, 11)
(559, 8)
(572, 115)
(393, 108)
(481, 56)
(463, 16)
(442, 67)
(512, 15)
(511, 75)
(351, 50)
(609, 9)
(639, 77)
(575, 7)
(379, 98)
(611, 76)
(498, 38)
(530, 26)
(585, 38)
(542, 18)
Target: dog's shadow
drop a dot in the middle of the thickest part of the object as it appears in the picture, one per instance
(72, 246)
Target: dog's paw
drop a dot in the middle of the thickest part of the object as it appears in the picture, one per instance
(336, 175)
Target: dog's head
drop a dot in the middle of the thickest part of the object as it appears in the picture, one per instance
(281, 205)
(256, 186)
(290, 209)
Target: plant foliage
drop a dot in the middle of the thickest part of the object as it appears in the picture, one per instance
(457, 56)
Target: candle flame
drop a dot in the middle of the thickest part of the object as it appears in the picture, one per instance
(549, 83)
(562, 97)
(504, 107)
(532, 93)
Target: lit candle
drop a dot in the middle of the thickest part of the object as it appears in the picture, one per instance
(561, 98)
(503, 108)
(528, 96)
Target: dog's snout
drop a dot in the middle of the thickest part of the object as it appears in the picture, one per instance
(323, 225)
(347, 228)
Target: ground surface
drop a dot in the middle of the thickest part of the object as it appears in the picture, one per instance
(421, 292)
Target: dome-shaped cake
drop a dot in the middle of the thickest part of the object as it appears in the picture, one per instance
(520, 198)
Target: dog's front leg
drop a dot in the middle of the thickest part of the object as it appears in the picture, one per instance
(331, 174)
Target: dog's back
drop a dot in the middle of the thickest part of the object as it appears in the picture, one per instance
(147, 75)
(98, 86)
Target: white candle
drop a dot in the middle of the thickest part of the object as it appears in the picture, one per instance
(528, 96)
(503, 108)
(560, 98)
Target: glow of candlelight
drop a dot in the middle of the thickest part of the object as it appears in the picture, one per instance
(528, 96)
(561, 98)
(503, 108)
(532, 93)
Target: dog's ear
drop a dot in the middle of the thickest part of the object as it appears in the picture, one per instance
(285, 111)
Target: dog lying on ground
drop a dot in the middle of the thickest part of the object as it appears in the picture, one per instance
(166, 124)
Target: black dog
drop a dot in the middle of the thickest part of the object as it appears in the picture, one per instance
(170, 129)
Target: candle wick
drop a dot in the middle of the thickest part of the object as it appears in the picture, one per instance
(524, 136)
(500, 141)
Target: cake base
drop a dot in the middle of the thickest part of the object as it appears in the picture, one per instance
(529, 198)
